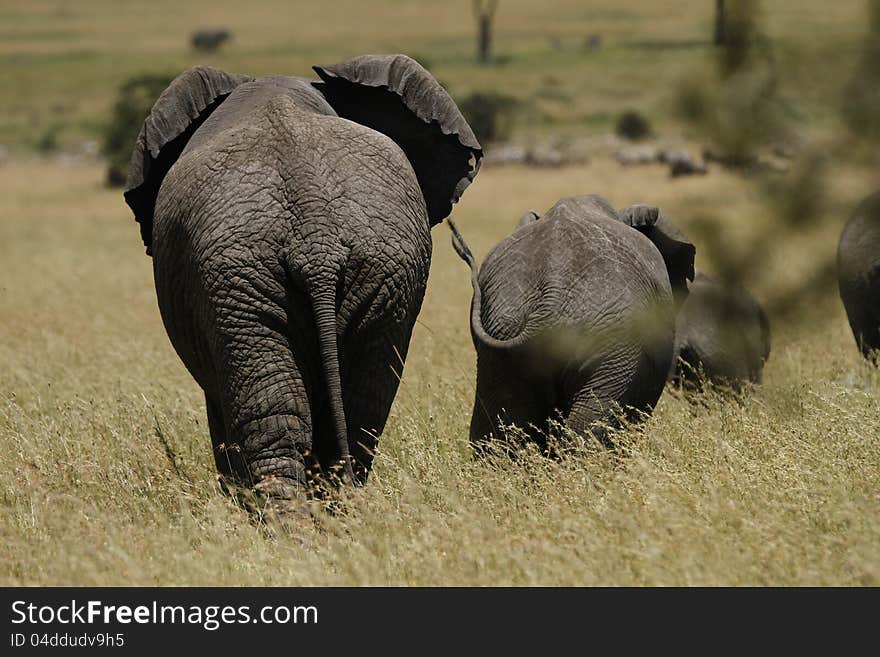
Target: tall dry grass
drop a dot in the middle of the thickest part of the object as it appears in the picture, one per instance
(107, 477)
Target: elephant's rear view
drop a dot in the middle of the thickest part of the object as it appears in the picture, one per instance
(858, 270)
(289, 222)
(574, 314)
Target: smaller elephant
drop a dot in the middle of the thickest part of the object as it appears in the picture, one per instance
(858, 271)
(573, 314)
(721, 335)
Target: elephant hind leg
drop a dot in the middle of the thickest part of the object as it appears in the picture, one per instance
(860, 302)
(372, 368)
(509, 394)
(227, 459)
(266, 410)
(868, 334)
(622, 386)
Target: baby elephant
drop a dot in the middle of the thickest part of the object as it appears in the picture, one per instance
(721, 335)
(858, 267)
(574, 314)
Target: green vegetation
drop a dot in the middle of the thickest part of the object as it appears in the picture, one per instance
(490, 115)
(65, 61)
(48, 141)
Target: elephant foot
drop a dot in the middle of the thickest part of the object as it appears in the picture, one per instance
(284, 509)
(281, 506)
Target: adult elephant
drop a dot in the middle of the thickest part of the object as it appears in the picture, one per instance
(721, 335)
(574, 314)
(289, 223)
(858, 271)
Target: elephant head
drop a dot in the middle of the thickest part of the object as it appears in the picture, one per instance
(677, 251)
(289, 223)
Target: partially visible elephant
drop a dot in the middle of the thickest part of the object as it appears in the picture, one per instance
(289, 223)
(573, 314)
(858, 271)
(721, 335)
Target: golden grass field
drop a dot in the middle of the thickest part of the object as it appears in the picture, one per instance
(107, 476)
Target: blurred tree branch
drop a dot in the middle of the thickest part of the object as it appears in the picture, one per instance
(720, 32)
(737, 106)
(861, 96)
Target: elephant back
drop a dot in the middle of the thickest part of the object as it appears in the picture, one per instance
(252, 96)
(578, 265)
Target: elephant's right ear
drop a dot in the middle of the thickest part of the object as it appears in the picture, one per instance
(176, 114)
(677, 251)
(394, 95)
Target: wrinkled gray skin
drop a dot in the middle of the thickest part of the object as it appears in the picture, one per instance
(291, 249)
(721, 334)
(858, 271)
(574, 314)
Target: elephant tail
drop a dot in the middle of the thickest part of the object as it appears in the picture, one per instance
(324, 306)
(479, 332)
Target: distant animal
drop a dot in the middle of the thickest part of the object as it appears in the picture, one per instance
(592, 42)
(722, 335)
(858, 272)
(208, 39)
(289, 223)
(637, 155)
(681, 163)
(573, 315)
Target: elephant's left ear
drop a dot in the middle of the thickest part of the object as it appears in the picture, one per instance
(394, 95)
(677, 251)
(175, 116)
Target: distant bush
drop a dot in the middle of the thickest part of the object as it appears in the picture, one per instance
(632, 125)
(133, 104)
(490, 114)
(47, 142)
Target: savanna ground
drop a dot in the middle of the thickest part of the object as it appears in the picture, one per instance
(107, 476)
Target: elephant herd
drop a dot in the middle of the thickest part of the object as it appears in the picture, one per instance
(289, 221)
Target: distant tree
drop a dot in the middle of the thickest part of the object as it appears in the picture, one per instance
(720, 26)
(484, 12)
(742, 40)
